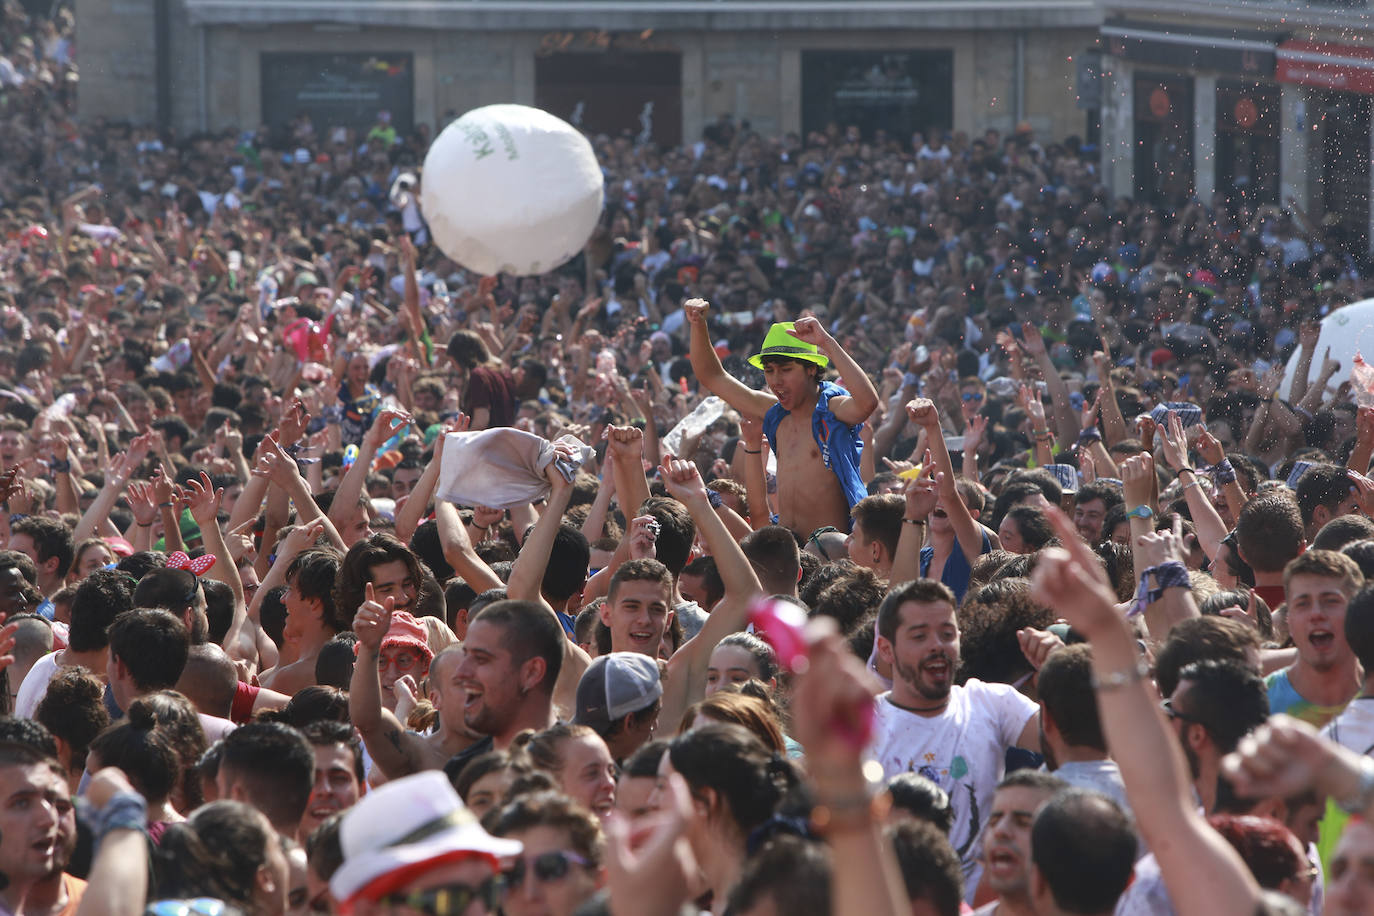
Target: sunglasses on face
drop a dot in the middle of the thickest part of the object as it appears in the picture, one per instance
(449, 900)
(549, 866)
(972, 396)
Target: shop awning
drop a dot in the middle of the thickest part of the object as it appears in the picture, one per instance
(1346, 68)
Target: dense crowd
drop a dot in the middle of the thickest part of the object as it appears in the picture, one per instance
(857, 525)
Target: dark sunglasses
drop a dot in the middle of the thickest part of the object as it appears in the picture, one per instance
(972, 396)
(549, 866)
(1172, 713)
(449, 900)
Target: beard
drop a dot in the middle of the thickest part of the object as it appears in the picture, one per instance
(915, 677)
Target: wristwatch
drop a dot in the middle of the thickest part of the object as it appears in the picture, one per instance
(1141, 511)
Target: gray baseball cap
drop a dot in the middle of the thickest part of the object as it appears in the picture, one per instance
(614, 686)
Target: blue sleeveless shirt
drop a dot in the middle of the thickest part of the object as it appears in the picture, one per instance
(839, 442)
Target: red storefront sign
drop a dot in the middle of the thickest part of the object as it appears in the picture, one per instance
(1344, 68)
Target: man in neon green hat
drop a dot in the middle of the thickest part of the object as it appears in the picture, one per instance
(812, 425)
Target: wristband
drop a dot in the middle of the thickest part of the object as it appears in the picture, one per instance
(125, 811)
(714, 498)
(1188, 469)
(144, 524)
(1090, 435)
(1222, 472)
(913, 521)
(166, 505)
(1118, 679)
(752, 451)
(60, 467)
(479, 527)
(1172, 574)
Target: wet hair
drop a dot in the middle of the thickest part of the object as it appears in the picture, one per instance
(554, 810)
(217, 852)
(930, 866)
(144, 753)
(313, 573)
(765, 659)
(1084, 847)
(74, 710)
(751, 782)
(922, 799)
(741, 709)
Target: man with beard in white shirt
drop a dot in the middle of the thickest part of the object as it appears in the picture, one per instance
(955, 735)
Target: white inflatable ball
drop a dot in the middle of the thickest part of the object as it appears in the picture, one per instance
(511, 189)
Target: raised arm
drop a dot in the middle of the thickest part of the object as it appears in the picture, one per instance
(381, 733)
(686, 681)
(527, 577)
(457, 547)
(922, 495)
(410, 515)
(115, 481)
(711, 374)
(1058, 391)
(863, 397)
(1203, 873)
(351, 487)
(967, 531)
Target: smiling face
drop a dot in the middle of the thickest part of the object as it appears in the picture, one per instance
(925, 655)
(1316, 620)
(1007, 839)
(1088, 517)
(393, 579)
(489, 678)
(336, 785)
(588, 774)
(637, 616)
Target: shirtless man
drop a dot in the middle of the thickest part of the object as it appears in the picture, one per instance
(818, 483)
(310, 619)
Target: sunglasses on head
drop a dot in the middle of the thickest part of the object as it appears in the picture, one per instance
(449, 900)
(549, 866)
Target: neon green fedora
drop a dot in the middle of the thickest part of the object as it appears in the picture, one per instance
(780, 342)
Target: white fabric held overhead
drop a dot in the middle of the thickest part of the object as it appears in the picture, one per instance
(511, 189)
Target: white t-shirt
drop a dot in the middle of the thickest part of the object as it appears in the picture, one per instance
(1354, 728)
(963, 751)
(35, 686)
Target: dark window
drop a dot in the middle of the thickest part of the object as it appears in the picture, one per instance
(900, 92)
